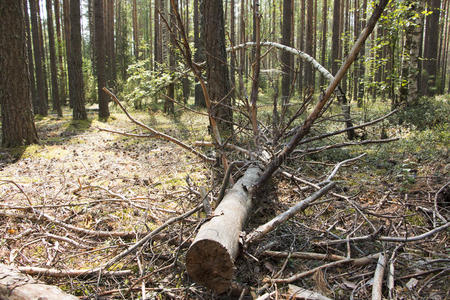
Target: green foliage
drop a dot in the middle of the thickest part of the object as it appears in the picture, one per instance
(90, 82)
(427, 113)
(144, 85)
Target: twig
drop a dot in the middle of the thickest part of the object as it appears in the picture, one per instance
(149, 236)
(67, 240)
(378, 278)
(262, 230)
(312, 271)
(373, 236)
(100, 233)
(340, 164)
(70, 273)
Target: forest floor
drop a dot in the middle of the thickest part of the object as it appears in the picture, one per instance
(82, 181)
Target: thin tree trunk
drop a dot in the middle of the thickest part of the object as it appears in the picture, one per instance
(100, 59)
(324, 37)
(309, 41)
(62, 73)
(233, 42)
(30, 58)
(66, 9)
(41, 107)
(356, 34)
(431, 47)
(286, 58)
(53, 69)
(168, 104)
(362, 67)
(44, 56)
(199, 55)
(76, 72)
(135, 31)
(335, 41)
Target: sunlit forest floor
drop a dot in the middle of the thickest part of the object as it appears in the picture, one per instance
(91, 179)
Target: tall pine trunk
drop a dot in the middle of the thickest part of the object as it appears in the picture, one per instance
(76, 72)
(30, 57)
(15, 99)
(54, 71)
(216, 66)
(286, 57)
(41, 105)
(100, 59)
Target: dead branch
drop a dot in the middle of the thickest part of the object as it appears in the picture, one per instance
(97, 233)
(159, 134)
(298, 276)
(262, 230)
(71, 273)
(150, 235)
(18, 286)
(378, 278)
(373, 236)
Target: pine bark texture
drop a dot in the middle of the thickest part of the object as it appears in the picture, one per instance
(199, 99)
(335, 39)
(15, 96)
(41, 107)
(100, 58)
(216, 65)
(62, 73)
(210, 259)
(76, 72)
(286, 58)
(53, 69)
(431, 47)
(309, 42)
(30, 58)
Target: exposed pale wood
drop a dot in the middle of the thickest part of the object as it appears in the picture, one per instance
(262, 230)
(210, 259)
(17, 286)
(378, 279)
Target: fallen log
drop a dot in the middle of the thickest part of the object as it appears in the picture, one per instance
(210, 259)
(17, 286)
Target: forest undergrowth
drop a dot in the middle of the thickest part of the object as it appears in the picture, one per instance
(71, 204)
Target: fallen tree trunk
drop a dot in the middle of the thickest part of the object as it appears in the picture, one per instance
(17, 286)
(210, 259)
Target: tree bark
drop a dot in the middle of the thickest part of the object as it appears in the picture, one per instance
(286, 58)
(198, 56)
(34, 99)
(216, 67)
(66, 9)
(15, 96)
(62, 73)
(41, 107)
(54, 71)
(335, 40)
(431, 48)
(210, 259)
(76, 72)
(169, 103)
(17, 286)
(309, 41)
(135, 31)
(324, 36)
(100, 59)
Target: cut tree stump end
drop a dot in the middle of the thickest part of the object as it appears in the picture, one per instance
(210, 264)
